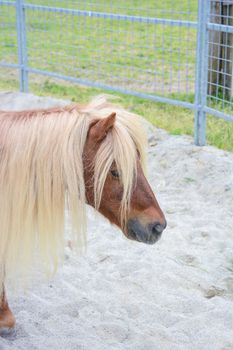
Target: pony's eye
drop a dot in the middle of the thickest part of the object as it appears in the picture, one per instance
(115, 173)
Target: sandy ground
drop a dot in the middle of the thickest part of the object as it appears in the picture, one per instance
(175, 295)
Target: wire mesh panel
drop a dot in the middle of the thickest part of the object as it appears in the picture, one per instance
(146, 47)
(8, 40)
(8, 34)
(220, 56)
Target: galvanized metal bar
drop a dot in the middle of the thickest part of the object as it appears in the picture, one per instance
(220, 27)
(8, 3)
(22, 49)
(201, 74)
(148, 20)
(9, 65)
(219, 114)
(112, 88)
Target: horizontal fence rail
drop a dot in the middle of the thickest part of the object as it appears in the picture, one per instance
(172, 51)
(112, 16)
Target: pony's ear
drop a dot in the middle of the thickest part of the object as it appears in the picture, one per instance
(100, 127)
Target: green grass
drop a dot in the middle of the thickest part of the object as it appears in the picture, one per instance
(126, 53)
(130, 55)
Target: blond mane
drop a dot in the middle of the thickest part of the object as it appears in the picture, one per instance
(41, 173)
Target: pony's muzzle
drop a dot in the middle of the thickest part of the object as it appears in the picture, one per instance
(149, 233)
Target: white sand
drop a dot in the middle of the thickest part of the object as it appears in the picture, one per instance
(177, 294)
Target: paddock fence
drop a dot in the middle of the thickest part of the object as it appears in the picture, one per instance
(173, 51)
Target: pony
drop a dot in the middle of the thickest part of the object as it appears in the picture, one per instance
(68, 157)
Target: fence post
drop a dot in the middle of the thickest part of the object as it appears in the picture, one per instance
(22, 48)
(201, 73)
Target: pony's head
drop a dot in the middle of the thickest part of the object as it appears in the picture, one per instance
(67, 157)
(114, 159)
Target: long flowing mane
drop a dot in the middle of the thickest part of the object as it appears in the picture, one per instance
(41, 173)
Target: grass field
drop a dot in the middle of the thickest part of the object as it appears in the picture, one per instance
(139, 56)
(146, 58)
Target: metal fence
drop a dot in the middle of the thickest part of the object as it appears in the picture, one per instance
(172, 51)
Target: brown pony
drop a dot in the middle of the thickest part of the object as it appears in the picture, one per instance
(65, 158)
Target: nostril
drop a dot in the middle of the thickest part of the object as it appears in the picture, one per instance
(154, 229)
(157, 228)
